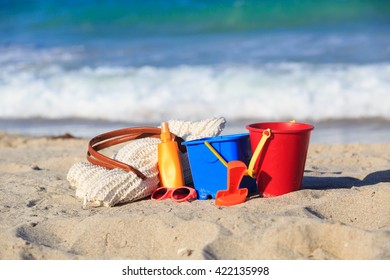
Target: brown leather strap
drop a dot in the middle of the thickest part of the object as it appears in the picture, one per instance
(116, 137)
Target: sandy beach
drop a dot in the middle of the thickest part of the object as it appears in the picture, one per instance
(342, 211)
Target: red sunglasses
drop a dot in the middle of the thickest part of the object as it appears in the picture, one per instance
(178, 194)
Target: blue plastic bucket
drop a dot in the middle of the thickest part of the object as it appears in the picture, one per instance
(208, 172)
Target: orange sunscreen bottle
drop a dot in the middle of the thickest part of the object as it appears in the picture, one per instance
(169, 166)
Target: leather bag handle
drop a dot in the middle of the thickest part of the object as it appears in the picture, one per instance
(116, 137)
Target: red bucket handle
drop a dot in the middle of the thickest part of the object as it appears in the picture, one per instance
(255, 156)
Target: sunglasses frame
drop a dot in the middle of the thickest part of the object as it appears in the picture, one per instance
(170, 193)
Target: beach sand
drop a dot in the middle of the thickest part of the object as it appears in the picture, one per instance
(342, 211)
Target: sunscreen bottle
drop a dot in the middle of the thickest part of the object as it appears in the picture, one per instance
(169, 166)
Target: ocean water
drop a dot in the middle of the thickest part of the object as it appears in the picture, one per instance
(85, 67)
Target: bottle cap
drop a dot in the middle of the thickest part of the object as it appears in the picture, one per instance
(164, 127)
(165, 133)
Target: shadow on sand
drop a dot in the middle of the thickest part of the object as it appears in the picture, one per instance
(324, 183)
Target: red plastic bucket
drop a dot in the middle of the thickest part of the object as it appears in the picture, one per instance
(280, 166)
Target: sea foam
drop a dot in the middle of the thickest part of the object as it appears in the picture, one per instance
(267, 91)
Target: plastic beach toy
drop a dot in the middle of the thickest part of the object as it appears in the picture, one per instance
(233, 195)
(251, 167)
(236, 171)
(279, 169)
(209, 169)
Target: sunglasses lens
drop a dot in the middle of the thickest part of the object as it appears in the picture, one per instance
(159, 193)
(180, 193)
